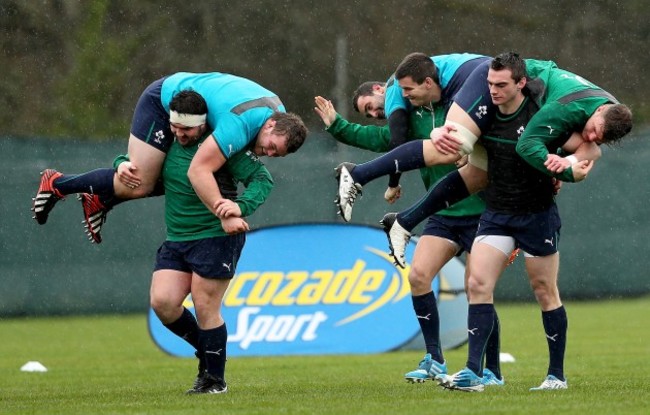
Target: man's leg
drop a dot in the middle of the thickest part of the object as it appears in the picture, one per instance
(169, 288)
(96, 206)
(542, 272)
(431, 254)
(451, 189)
(492, 371)
(207, 295)
(148, 161)
(408, 156)
(100, 190)
(457, 115)
(487, 264)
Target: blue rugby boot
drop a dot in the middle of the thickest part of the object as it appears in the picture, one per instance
(428, 369)
(465, 380)
(490, 379)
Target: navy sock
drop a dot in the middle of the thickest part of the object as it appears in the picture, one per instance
(408, 156)
(493, 348)
(426, 310)
(212, 343)
(186, 328)
(480, 319)
(99, 182)
(555, 326)
(447, 191)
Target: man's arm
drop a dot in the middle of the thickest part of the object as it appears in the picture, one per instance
(246, 168)
(398, 123)
(367, 137)
(578, 150)
(543, 129)
(396, 108)
(207, 160)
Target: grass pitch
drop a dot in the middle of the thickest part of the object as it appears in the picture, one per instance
(108, 365)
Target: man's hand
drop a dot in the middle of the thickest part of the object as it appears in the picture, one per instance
(581, 169)
(225, 208)
(392, 194)
(462, 161)
(444, 141)
(126, 174)
(556, 164)
(557, 185)
(233, 225)
(325, 110)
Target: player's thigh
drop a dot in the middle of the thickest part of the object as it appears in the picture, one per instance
(209, 290)
(432, 157)
(458, 115)
(544, 268)
(207, 295)
(213, 262)
(543, 274)
(473, 107)
(474, 177)
(147, 158)
(487, 262)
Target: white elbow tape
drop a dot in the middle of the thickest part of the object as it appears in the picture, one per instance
(465, 135)
(572, 159)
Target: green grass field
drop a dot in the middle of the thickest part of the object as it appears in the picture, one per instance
(108, 365)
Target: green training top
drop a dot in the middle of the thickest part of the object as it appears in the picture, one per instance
(567, 102)
(376, 138)
(186, 217)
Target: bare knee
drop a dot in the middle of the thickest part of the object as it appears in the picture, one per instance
(166, 310)
(420, 280)
(479, 290)
(546, 294)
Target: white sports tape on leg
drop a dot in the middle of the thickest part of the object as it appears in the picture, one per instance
(465, 135)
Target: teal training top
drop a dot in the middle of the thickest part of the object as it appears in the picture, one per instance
(446, 66)
(237, 107)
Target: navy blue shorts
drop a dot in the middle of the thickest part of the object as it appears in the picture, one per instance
(213, 258)
(150, 120)
(461, 229)
(474, 97)
(536, 233)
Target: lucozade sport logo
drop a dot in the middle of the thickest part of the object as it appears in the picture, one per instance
(312, 289)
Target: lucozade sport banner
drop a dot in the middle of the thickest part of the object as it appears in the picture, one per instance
(313, 289)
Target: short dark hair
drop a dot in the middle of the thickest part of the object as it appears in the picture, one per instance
(618, 122)
(419, 67)
(188, 101)
(511, 61)
(293, 127)
(366, 89)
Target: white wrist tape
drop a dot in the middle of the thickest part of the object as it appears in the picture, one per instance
(573, 159)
